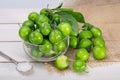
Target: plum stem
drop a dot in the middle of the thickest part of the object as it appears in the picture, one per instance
(71, 60)
(47, 6)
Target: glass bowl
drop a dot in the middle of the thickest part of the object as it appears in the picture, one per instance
(38, 53)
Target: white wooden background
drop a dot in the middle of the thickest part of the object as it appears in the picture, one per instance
(11, 44)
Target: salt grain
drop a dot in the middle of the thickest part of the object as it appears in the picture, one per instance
(24, 67)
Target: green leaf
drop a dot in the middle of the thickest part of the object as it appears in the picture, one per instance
(59, 6)
(78, 16)
(66, 17)
(64, 9)
(87, 26)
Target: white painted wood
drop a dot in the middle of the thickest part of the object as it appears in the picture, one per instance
(14, 50)
(12, 11)
(9, 32)
(15, 15)
(28, 3)
(40, 72)
(92, 13)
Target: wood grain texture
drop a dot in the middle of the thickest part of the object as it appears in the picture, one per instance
(18, 4)
(102, 13)
(89, 2)
(40, 72)
(15, 15)
(9, 32)
(14, 50)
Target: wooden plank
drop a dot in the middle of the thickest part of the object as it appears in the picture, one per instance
(14, 50)
(16, 12)
(15, 15)
(110, 31)
(9, 32)
(93, 13)
(89, 2)
(103, 14)
(40, 72)
(28, 3)
(99, 14)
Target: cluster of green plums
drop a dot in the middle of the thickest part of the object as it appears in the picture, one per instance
(45, 37)
(88, 40)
